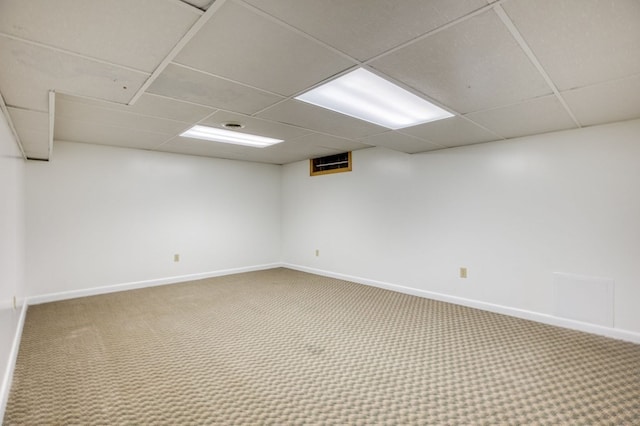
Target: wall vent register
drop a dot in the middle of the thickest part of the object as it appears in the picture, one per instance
(336, 163)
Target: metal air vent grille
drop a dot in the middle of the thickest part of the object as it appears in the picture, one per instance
(336, 163)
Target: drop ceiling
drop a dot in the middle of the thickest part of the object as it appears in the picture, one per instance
(137, 73)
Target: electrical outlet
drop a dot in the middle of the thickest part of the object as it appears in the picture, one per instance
(463, 272)
(176, 258)
(317, 252)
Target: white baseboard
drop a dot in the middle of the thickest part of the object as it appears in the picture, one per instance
(5, 386)
(614, 333)
(94, 291)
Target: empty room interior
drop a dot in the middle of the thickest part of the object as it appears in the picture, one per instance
(320, 212)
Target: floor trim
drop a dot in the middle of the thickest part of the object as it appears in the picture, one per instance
(5, 387)
(506, 310)
(519, 313)
(94, 291)
(614, 333)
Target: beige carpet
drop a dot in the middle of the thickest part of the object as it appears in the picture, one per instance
(284, 347)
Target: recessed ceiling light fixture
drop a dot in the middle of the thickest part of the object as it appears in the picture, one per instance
(233, 125)
(228, 136)
(364, 95)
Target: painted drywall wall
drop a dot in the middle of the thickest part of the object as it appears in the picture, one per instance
(11, 249)
(102, 216)
(11, 217)
(512, 212)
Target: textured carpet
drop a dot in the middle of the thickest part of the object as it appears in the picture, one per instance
(285, 347)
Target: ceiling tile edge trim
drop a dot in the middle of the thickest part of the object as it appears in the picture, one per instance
(5, 112)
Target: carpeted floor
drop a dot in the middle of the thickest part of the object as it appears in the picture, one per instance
(285, 347)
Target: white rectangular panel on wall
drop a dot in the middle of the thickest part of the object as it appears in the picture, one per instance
(582, 298)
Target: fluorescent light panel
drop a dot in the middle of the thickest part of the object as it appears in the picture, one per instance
(364, 95)
(228, 136)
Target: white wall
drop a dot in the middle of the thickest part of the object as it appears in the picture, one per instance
(11, 247)
(101, 216)
(512, 212)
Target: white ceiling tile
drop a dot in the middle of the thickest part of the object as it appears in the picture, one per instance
(91, 114)
(366, 28)
(539, 115)
(322, 120)
(282, 153)
(182, 83)
(606, 102)
(256, 126)
(189, 146)
(330, 142)
(81, 131)
(291, 156)
(173, 109)
(454, 131)
(28, 72)
(200, 4)
(151, 105)
(295, 149)
(255, 50)
(135, 33)
(589, 48)
(581, 42)
(292, 152)
(400, 142)
(471, 66)
(33, 130)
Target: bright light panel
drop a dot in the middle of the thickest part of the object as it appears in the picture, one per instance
(364, 95)
(228, 136)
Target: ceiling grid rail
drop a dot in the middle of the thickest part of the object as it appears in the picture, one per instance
(532, 57)
(72, 53)
(204, 18)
